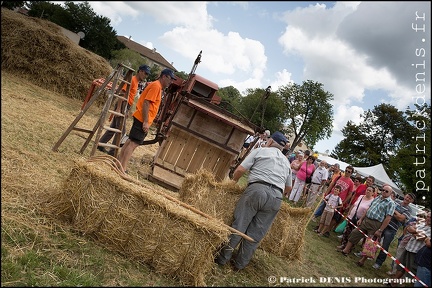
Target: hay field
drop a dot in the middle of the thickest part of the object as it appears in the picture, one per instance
(32, 120)
(38, 250)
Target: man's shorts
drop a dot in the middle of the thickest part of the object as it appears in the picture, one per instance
(136, 133)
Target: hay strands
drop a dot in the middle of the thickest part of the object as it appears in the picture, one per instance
(114, 163)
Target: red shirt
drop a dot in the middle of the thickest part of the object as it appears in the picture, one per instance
(347, 186)
(361, 190)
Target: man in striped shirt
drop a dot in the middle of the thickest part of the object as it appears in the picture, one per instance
(374, 221)
(421, 234)
(401, 215)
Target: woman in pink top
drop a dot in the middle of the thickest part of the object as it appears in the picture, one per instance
(307, 167)
(296, 164)
(363, 202)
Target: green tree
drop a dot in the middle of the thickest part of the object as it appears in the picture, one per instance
(12, 4)
(263, 108)
(127, 57)
(397, 140)
(51, 12)
(413, 160)
(100, 37)
(376, 139)
(231, 98)
(307, 112)
(353, 144)
(182, 74)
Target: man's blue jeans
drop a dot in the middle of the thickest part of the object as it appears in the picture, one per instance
(387, 235)
(424, 274)
(320, 209)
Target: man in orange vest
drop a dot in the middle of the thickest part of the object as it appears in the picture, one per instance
(146, 110)
(141, 75)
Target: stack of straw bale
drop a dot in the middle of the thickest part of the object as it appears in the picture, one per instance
(36, 49)
(140, 222)
(218, 199)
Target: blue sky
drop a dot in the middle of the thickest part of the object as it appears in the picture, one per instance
(362, 52)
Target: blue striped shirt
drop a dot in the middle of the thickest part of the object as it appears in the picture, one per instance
(405, 210)
(380, 208)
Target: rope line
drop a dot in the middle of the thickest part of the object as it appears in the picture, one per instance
(380, 247)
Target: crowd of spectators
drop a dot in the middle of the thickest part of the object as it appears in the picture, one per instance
(368, 211)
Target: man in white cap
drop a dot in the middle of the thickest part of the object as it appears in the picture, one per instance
(269, 176)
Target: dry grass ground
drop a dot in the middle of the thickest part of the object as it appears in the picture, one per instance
(41, 94)
(39, 251)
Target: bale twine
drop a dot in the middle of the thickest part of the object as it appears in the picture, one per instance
(139, 222)
(286, 236)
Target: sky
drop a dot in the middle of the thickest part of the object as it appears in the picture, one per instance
(364, 53)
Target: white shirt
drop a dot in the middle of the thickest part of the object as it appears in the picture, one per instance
(249, 139)
(319, 175)
(332, 202)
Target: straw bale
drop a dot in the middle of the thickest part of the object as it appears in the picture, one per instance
(139, 222)
(36, 50)
(286, 236)
(204, 192)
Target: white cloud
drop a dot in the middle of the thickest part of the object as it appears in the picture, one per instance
(114, 11)
(343, 114)
(346, 70)
(189, 31)
(188, 14)
(147, 44)
(224, 54)
(282, 78)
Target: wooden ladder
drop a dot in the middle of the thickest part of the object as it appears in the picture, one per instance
(118, 81)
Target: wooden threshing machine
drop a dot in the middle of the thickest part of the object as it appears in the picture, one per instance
(194, 132)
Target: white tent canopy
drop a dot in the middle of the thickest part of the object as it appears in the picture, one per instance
(331, 161)
(380, 175)
(376, 171)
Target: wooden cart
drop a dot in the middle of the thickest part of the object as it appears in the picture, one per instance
(198, 134)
